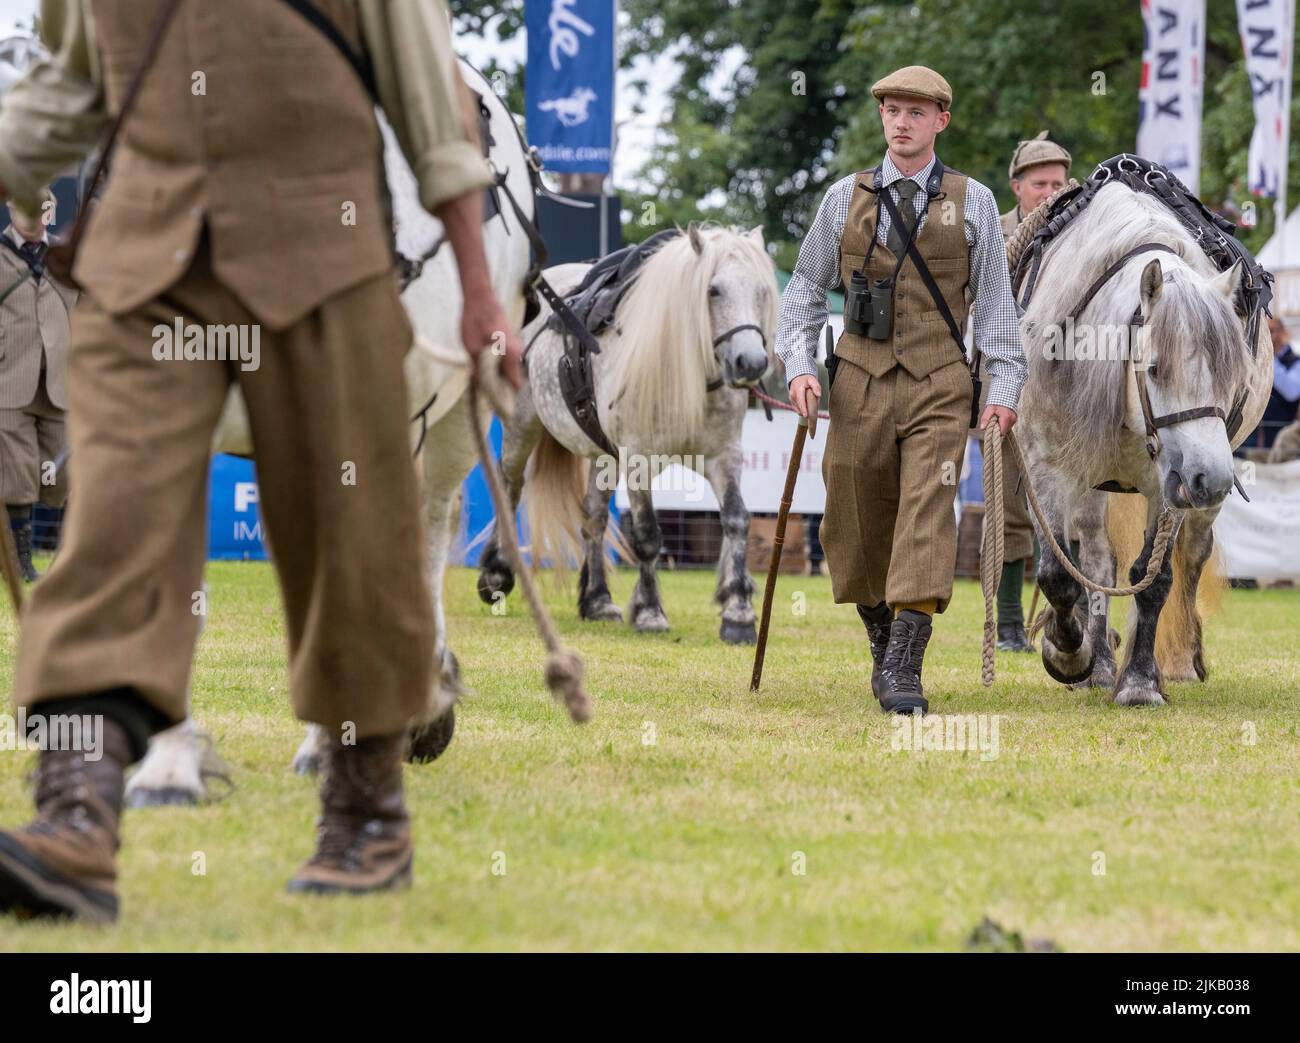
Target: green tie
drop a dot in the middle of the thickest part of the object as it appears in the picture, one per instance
(896, 239)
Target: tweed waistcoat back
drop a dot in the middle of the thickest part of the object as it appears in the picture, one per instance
(33, 328)
(921, 341)
(249, 121)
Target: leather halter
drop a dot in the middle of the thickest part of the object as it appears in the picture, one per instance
(1152, 422)
(717, 382)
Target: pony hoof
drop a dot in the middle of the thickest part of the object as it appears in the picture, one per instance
(1139, 693)
(428, 742)
(162, 797)
(650, 621)
(739, 633)
(603, 612)
(1067, 667)
(494, 582)
(1101, 676)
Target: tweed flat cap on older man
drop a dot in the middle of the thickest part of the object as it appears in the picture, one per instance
(1035, 151)
(915, 81)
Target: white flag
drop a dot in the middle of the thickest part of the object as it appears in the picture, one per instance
(1265, 27)
(1169, 105)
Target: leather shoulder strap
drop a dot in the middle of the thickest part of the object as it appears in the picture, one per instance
(924, 271)
(359, 61)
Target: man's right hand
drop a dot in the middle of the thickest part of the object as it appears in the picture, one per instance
(483, 322)
(485, 329)
(803, 389)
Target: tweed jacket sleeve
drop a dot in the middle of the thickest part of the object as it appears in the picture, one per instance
(55, 114)
(424, 97)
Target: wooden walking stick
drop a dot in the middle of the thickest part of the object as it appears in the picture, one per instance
(564, 668)
(807, 427)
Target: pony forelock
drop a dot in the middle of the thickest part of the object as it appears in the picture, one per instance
(663, 359)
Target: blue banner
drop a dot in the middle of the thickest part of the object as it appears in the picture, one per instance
(234, 525)
(569, 83)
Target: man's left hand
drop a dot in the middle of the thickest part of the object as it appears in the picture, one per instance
(1006, 418)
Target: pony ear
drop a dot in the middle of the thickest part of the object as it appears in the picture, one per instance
(1153, 284)
(756, 234)
(693, 233)
(1228, 282)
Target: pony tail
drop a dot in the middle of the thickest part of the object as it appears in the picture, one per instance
(554, 489)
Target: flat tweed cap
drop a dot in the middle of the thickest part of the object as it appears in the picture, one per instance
(1035, 151)
(915, 81)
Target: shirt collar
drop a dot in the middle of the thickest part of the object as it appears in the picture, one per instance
(890, 173)
(15, 238)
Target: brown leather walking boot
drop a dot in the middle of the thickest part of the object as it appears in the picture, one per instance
(64, 864)
(363, 836)
(877, 621)
(901, 690)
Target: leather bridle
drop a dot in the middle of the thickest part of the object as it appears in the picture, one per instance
(1152, 422)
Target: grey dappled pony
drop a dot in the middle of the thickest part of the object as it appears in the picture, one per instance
(1082, 425)
(689, 339)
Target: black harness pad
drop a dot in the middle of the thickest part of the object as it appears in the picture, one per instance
(595, 300)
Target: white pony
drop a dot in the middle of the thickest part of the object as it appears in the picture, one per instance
(174, 770)
(1155, 319)
(692, 335)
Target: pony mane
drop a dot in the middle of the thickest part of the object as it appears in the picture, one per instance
(1191, 315)
(663, 359)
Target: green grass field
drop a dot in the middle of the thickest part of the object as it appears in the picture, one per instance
(677, 818)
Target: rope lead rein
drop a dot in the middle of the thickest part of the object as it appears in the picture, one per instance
(991, 545)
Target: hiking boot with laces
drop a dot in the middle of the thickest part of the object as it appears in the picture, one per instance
(64, 864)
(901, 673)
(877, 621)
(363, 836)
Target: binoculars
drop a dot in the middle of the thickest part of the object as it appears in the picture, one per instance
(869, 308)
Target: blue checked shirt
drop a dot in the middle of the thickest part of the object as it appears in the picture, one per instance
(994, 322)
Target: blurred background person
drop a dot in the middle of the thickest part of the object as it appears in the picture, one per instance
(34, 328)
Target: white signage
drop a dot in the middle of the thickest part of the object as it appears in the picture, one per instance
(1258, 539)
(765, 451)
(1265, 27)
(1173, 65)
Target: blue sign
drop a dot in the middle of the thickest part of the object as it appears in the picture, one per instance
(569, 83)
(234, 524)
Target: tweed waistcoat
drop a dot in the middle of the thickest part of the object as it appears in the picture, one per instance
(33, 329)
(921, 341)
(249, 121)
